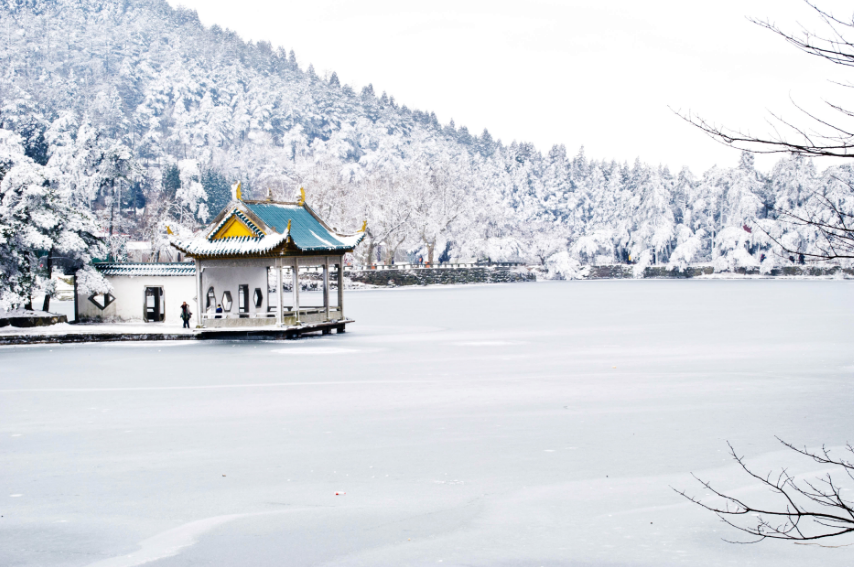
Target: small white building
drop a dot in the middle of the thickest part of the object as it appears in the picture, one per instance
(152, 293)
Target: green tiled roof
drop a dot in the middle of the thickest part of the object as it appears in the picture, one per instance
(306, 232)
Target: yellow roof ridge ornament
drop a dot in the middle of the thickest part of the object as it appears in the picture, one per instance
(289, 226)
(269, 194)
(237, 193)
(364, 226)
(169, 230)
(301, 197)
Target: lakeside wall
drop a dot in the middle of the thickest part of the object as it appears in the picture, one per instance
(447, 276)
(389, 277)
(621, 271)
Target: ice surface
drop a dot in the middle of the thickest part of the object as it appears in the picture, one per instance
(522, 424)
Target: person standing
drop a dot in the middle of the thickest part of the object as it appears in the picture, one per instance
(185, 315)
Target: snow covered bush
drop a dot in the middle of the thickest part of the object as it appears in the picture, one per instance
(562, 266)
(731, 250)
(689, 248)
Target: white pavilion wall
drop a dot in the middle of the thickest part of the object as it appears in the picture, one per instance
(224, 279)
(129, 292)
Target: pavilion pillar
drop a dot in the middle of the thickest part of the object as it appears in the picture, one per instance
(280, 317)
(296, 289)
(326, 287)
(341, 287)
(199, 293)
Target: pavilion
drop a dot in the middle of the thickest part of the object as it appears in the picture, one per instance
(235, 254)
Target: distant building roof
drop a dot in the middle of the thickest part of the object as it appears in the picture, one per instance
(141, 269)
(267, 228)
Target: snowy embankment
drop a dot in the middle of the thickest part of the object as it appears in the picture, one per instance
(89, 332)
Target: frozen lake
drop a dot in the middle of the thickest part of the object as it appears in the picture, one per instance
(525, 424)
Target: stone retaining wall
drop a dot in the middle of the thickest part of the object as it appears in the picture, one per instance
(620, 271)
(90, 338)
(432, 276)
(31, 320)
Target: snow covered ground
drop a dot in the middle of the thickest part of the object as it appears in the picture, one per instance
(538, 424)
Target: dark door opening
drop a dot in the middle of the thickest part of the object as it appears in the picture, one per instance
(154, 312)
(243, 300)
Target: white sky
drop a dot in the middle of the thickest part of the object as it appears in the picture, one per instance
(577, 72)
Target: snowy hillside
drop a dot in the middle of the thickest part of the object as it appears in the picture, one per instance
(144, 116)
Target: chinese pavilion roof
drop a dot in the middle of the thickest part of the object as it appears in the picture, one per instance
(264, 229)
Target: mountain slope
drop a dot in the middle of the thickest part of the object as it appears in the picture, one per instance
(150, 116)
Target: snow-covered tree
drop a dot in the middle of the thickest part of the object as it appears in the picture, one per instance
(37, 219)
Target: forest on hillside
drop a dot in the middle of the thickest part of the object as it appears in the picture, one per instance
(137, 117)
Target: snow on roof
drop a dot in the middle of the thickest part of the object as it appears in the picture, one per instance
(238, 246)
(274, 225)
(141, 269)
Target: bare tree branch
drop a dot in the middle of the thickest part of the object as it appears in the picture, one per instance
(807, 510)
(837, 141)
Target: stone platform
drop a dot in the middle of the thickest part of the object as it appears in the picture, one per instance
(119, 332)
(26, 319)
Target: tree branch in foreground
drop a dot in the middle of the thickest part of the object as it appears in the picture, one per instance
(833, 140)
(805, 511)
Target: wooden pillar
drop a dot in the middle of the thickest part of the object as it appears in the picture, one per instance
(280, 316)
(296, 289)
(341, 287)
(200, 296)
(326, 287)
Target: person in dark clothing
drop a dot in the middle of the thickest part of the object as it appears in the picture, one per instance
(185, 315)
(218, 312)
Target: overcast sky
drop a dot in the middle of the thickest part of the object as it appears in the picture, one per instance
(576, 72)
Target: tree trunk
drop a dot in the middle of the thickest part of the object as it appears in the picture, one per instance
(46, 303)
(370, 257)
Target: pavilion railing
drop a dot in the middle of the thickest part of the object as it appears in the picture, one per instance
(288, 312)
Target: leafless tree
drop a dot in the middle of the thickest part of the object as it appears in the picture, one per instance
(805, 510)
(832, 223)
(823, 137)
